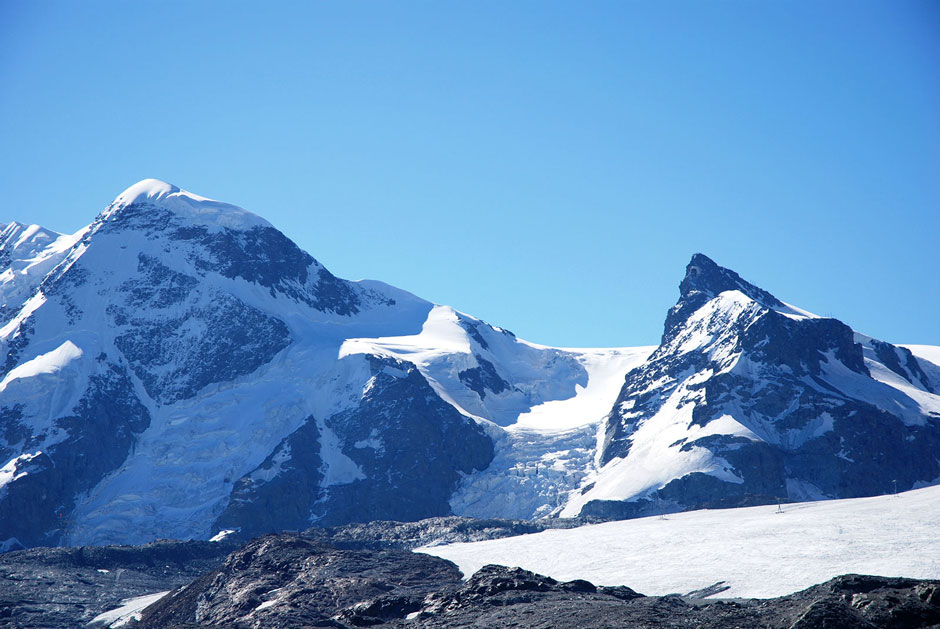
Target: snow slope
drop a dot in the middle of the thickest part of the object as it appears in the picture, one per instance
(129, 612)
(756, 551)
(549, 411)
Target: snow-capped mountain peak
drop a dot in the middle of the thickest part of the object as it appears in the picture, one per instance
(197, 209)
(703, 275)
(749, 400)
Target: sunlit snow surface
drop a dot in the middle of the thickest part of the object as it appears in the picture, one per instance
(198, 209)
(49, 363)
(547, 446)
(756, 551)
(129, 612)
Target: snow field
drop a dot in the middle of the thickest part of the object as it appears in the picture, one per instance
(758, 552)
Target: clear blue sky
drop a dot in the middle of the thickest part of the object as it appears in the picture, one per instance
(549, 167)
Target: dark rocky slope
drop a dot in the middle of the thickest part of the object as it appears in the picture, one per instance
(291, 581)
(363, 575)
(68, 587)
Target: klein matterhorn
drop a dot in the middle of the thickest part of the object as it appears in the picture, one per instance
(180, 367)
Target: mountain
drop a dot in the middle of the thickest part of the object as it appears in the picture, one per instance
(749, 400)
(179, 367)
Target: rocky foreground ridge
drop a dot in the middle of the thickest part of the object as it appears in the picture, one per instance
(365, 576)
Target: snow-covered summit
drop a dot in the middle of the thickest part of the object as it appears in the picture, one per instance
(198, 209)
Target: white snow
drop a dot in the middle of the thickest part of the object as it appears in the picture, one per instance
(793, 312)
(128, 611)
(221, 535)
(49, 363)
(338, 469)
(444, 348)
(925, 352)
(11, 470)
(758, 552)
(656, 456)
(200, 210)
(606, 369)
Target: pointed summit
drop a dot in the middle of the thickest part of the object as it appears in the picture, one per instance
(703, 275)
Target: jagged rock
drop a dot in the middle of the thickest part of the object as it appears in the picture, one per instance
(291, 581)
(68, 587)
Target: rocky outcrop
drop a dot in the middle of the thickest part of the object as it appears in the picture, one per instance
(68, 587)
(408, 446)
(412, 459)
(292, 581)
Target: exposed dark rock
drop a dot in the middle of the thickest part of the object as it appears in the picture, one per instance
(291, 581)
(67, 587)
(483, 378)
(16, 343)
(910, 370)
(261, 255)
(101, 430)
(471, 328)
(432, 531)
(282, 492)
(178, 355)
(410, 446)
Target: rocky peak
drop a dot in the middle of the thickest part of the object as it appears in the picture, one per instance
(703, 275)
(704, 280)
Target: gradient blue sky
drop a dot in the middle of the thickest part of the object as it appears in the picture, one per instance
(549, 167)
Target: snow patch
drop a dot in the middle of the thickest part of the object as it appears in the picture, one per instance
(49, 363)
(13, 468)
(128, 612)
(221, 535)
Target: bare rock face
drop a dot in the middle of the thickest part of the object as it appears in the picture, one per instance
(291, 581)
(68, 587)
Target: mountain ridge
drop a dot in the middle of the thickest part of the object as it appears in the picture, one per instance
(207, 373)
